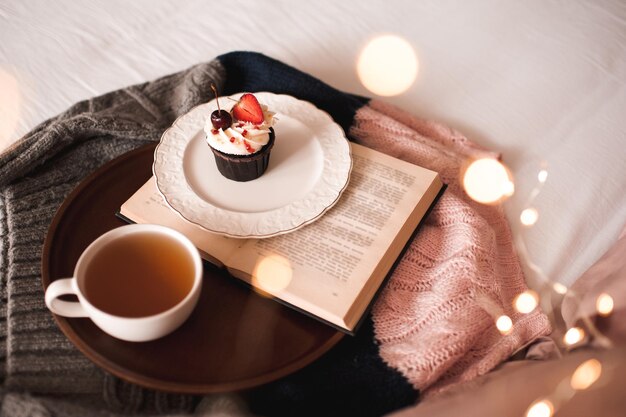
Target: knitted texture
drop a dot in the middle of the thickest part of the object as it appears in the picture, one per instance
(435, 318)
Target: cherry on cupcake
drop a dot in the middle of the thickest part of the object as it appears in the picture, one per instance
(220, 119)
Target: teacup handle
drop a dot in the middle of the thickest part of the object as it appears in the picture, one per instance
(63, 308)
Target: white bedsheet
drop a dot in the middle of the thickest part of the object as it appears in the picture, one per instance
(541, 81)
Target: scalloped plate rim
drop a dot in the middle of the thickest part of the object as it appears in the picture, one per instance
(342, 139)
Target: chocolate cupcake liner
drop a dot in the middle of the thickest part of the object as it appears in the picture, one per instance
(244, 167)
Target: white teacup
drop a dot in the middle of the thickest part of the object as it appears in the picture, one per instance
(136, 282)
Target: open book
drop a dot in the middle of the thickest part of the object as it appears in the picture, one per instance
(333, 267)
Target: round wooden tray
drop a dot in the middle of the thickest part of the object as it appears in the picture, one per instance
(235, 339)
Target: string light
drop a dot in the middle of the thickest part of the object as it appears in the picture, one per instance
(376, 73)
(586, 374)
(543, 408)
(529, 216)
(504, 324)
(508, 188)
(487, 181)
(526, 301)
(542, 176)
(574, 336)
(559, 288)
(604, 304)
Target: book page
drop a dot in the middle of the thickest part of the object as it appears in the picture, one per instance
(148, 206)
(329, 261)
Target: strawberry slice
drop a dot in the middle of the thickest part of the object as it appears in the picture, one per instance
(248, 109)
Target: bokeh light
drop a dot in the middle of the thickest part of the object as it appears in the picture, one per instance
(574, 336)
(559, 288)
(586, 374)
(10, 104)
(543, 408)
(272, 274)
(504, 324)
(529, 216)
(487, 181)
(388, 65)
(508, 188)
(542, 176)
(526, 301)
(604, 304)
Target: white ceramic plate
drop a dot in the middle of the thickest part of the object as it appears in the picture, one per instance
(309, 169)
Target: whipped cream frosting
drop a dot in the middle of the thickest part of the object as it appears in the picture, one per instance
(241, 138)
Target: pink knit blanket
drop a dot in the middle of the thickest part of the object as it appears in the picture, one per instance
(435, 319)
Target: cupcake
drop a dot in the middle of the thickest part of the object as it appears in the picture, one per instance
(242, 139)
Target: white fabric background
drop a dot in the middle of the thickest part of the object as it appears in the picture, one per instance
(542, 81)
